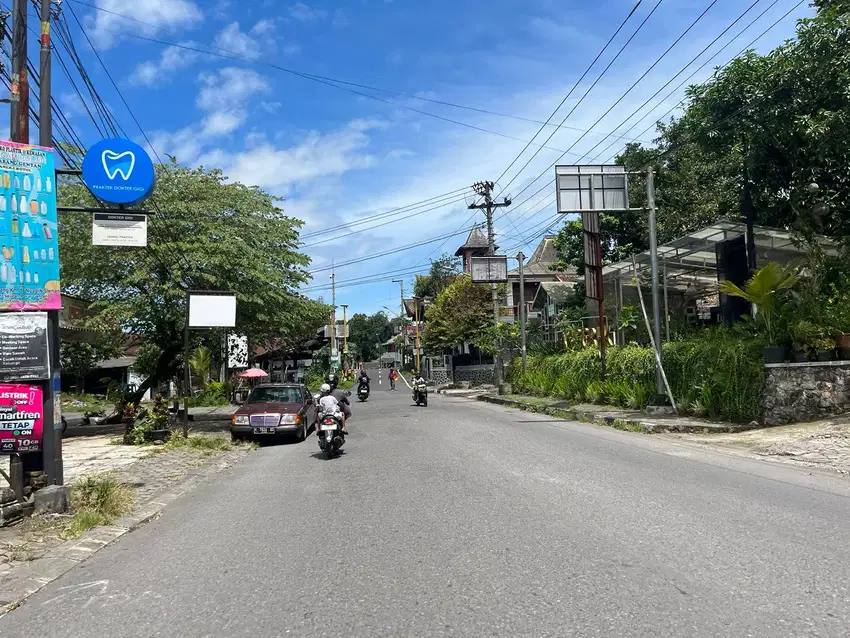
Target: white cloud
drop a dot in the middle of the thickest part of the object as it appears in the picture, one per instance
(255, 42)
(305, 13)
(140, 16)
(229, 88)
(316, 156)
(222, 123)
(170, 60)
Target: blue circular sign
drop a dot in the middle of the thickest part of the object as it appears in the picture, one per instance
(119, 171)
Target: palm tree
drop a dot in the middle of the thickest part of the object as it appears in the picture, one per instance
(201, 363)
(764, 291)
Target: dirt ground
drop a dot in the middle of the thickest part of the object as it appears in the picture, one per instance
(823, 444)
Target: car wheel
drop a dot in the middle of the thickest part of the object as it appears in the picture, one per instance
(235, 438)
(302, 433)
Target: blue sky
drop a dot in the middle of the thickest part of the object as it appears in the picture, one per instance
(337, 156)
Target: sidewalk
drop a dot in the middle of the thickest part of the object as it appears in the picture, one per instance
(633, 420)
(821, 444)
(32, 553)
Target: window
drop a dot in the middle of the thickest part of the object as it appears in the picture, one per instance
(275, 395)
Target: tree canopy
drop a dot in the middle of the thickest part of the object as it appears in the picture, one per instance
(367, 333)
(756, 134)
(210, 235)
(443, 271)
(461, 313)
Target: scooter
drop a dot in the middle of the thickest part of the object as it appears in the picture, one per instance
(329, 434)
(420, 394)
(363, 391)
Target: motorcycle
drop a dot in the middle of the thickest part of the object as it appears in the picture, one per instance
(329, 431)
(420, 394)
(363, 391)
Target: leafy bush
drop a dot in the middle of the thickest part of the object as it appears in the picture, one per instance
(719, 373)
(213, 395)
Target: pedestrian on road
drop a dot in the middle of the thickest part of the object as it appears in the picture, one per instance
(392, 377)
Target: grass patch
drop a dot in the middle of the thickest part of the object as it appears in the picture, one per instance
(95, 501)
(197, 443)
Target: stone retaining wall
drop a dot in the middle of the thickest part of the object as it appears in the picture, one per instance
(805, 391)
(476, 375)
(441, 376)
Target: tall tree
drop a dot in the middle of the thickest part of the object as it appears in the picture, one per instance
(462, 313)
(442, 273)
(368, 333)
(211, 235)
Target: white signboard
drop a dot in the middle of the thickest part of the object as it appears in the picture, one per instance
(119, 229)
(584, 188)
(212, 311)
(490, 270)
(237, 351)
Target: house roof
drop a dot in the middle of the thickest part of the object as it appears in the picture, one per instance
(120, 362)
(476, 239)
(541, 261)
(555, 291)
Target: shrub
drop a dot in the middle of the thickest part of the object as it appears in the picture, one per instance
(214, 394)
(718, 373)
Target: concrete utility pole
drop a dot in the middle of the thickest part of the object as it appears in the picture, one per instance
(333, 317)
(416, 301)
(522, 309)
(403, 333)
(485, 189)
(344, 329)
(656, 305)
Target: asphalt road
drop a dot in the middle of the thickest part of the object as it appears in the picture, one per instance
(467, 519)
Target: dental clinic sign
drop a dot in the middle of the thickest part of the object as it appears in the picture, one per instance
(119, 172)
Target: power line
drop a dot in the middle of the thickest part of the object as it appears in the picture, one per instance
(228, 54)
(629, 90)
(567, 96)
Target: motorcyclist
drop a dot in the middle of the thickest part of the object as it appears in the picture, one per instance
(334, 401)
(362, 379)
(332, 380)
(416, 380)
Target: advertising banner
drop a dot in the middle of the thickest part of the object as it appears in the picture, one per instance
(29, 242)
(23, 346)
(21, 418)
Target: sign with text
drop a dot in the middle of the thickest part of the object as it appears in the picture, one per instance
(118, 171)
(21, 418)
(119, 229)
(23, 346)
(29, 246)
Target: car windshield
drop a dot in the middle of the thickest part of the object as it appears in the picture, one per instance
(275, 395)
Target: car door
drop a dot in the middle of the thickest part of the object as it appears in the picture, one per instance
(309, 405)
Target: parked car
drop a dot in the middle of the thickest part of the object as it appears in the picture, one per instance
(272, 410)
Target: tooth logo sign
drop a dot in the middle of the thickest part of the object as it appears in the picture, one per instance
(118, 164)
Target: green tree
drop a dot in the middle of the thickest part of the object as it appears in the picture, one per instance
(211, 235)
(201, 363)
(462, 313)
(368, 333)
(442, 273)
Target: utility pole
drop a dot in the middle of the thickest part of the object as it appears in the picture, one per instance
(53, 464)
(403, 332)
(656, 305)
(344, 329)
(485, 189)
(416, 301)
(19, 125)
(522, 309)
(333, 318)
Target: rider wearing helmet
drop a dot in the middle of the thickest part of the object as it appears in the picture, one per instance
(332, 381)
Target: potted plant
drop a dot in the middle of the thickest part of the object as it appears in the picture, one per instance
(802, 333)
(824, 348)
(764, 291)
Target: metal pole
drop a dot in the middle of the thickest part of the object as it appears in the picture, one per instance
(656, 301)
(666, 307)
(344, 328)
(491, 240)
(403, 332)
(522, 308)
(416, 314)
(186, 374)
(53, 464)
(20, 92)
(333, 319)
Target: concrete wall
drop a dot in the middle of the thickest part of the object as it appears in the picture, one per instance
(805, 391)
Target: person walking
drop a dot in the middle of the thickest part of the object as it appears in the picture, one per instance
(392, 377)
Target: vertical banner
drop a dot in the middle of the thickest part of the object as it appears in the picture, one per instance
(29, 241)
(21, 418)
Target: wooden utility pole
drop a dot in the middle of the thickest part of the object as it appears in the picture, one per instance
(485, 190)
(522, 310)
(19, 125)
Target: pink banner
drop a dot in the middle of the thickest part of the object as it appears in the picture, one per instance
(21, 418)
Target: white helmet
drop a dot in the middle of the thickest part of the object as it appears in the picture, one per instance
(325, 389)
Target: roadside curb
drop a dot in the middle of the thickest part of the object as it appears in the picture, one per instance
(58, 561)
(616, 421)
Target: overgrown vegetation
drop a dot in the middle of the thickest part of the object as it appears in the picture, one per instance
(720, 373)
(97, 500)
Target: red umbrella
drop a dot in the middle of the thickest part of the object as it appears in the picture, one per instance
(253, 373)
